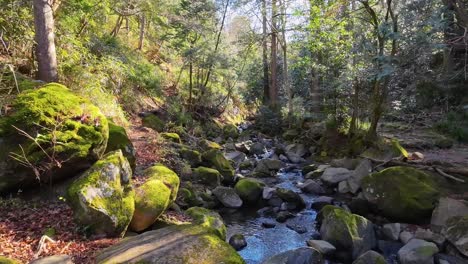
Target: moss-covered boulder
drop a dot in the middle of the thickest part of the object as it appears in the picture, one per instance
(249, 190)
(167, 176)
(216, 159)
(207, 176)
(230, 131)
(151, 200)
(173, 137)
(183, 244)
(456, 232)
(401, 193)
(66, 134)
(193, 157)
(209, 219)
(118, 139)
(154, 122)
(384, 150)
(102, 198)
(5, 260)
(347, 231)
(209, 145)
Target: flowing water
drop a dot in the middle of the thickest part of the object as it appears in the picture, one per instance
(263, 243)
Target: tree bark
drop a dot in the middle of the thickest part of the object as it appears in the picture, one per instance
(274, 50)
(44, 36)
(266, 86)
(142, 31)
(287, 86)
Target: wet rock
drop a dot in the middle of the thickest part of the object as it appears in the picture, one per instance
(235, 156)
(389, 248)
(228, 197)
(392, 231)
(238, 241)
(322, 246)
(317, 172)
(257, 148)
(446, 209)
(242, 147)
(283, 216)
(207, 176)
(283, 158)
(363, 169)
(456, 232)
(208, 219)
(332, 176)
(321, 202)
(268, 223)
(291, 197)
(428, 235)
(343, 187)
(346, 163)
(268, 193)
(347, 231)
(57, 259)
(216, 159)
(295, 152)
(298, 228)
(193, 242)
(267, 167)
(305, 255)
(406, 236)
(447, 259)
(417, 251)
(312, 187)
(370, 257)
(249, 190)
(309, 168)
(360, 206)
(401, 193)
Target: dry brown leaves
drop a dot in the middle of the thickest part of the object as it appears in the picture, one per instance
(22, 224)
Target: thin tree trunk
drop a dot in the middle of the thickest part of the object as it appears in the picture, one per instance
(191, 85)
(44, 36)
(266, 86)
(142, 31)
(274, 47)
(287, 86)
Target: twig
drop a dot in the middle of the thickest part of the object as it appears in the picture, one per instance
(42, 244)
(441, 172)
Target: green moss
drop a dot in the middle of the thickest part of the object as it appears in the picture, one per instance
(291, 134)
(230, 131)
(402, 193)
(103, 198)
(209, 219)
(209, 145)
(216, 159)
(174, 137)
(207, 176)
(118, 139)
(153, 122)
(151, 200)
(249, 190)
(192, 156)
(167, 176)
(5, 260)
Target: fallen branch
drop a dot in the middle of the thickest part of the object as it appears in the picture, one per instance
(441, 172)
(42, 244)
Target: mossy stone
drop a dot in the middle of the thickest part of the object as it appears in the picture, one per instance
(102, 198)
(192, 156)
(151, 200)
(249, 190)
(174, 137)
(230, 131)
(167, 176)
(154, 122)
(209, 219)
(402, 193)
(209, 145)
(208, 176)
(5, 260)
(118, 139)
(217, 160)
(50, 114)
(385, 149)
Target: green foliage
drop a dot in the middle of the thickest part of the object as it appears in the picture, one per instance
(454, 125)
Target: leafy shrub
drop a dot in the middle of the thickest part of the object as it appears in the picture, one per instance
(455, 125)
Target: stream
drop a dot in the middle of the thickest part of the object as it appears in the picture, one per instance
(263, 243)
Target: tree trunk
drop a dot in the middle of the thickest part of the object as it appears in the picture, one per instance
(287, 86)
(44, 36)
(266, 86)
(142, 31)
(274, 49)
(191, 85)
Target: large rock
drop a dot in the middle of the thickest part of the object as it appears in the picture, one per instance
(228, 197)
(322, 246)
(249, 190)
(456, 232)
(446, 209)
(295, 152)
(235, 156)
(417, 251)
(311, 186)
(257, 148)
(230, 131)
(57, 259)
(207, 176)
(49, 114)
(347, 231)
(102, 198)
(370, 257)
(118, 139)
(362, 170)
(208, 219)
(267, 167)
(305, 255)
(385, 150)
(154, 196)
(332, 176)
(185, 244)
(154, 122)
(216, 159)
(192, 156)
(291, 198)
(401, 193)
